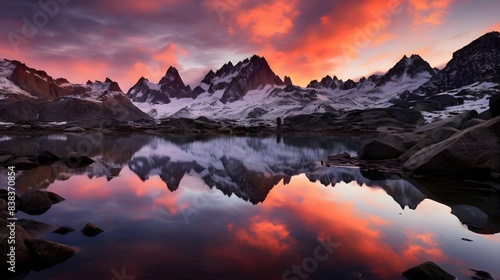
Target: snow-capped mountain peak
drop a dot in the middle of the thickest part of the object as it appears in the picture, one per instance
(467, 66)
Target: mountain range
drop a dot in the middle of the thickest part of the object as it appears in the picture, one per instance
(250, 92)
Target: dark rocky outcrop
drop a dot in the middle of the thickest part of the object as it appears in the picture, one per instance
(431, 137)
(144, 91)
(49, 100)
(468, 65)
(428, 106)
(453, 122)
(382, 147)
(251, 74)
(409, 66)
(369, 120)
(472, 152)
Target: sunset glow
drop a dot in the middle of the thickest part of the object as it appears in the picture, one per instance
(124, 40)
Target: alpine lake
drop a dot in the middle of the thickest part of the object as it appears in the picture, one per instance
(248, 207)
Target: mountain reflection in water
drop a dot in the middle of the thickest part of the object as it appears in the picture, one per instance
(223, 207)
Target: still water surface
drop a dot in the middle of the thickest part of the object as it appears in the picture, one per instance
(244, 208)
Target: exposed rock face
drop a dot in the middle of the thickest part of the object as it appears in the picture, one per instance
(250, 74)
(472, 152)
(468, 65)
(39, 84)
(35, 96)
(144, 91)
(170, 86)
(326, 82)
(408, 66)
(287, 81)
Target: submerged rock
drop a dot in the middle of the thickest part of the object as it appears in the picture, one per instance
(45, 254)
(35, 202)
(76, 160)
(91, 230)
(21, 163)
(47, 158)
(63, 230)
(22, 252)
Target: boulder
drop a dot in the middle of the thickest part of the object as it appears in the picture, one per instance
(472, 152)
(47, 158)
(91, 230)
(431, 137)
(445, 100)
(427, 271)
(428, 105)
(45, 254)
(63, 230)
(55, 198)
(495, 105)
(471, 123)
(382, 147)
(35, 202)
(76, 160)
(455, 122)
(21, 163)
(407, 116)
(35, 228)
(22, 252)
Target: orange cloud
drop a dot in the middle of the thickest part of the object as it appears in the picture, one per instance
(263, 234)
(336, 39)
(268, 20)
(428, 11)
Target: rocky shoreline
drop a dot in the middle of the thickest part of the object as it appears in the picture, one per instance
(31, 252)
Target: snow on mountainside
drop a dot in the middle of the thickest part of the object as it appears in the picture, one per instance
(269, 101)
(27, 94)
(7, 87)
(170, 86)
(468, 65)
(249, 92)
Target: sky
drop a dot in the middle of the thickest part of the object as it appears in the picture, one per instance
(305, 39)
